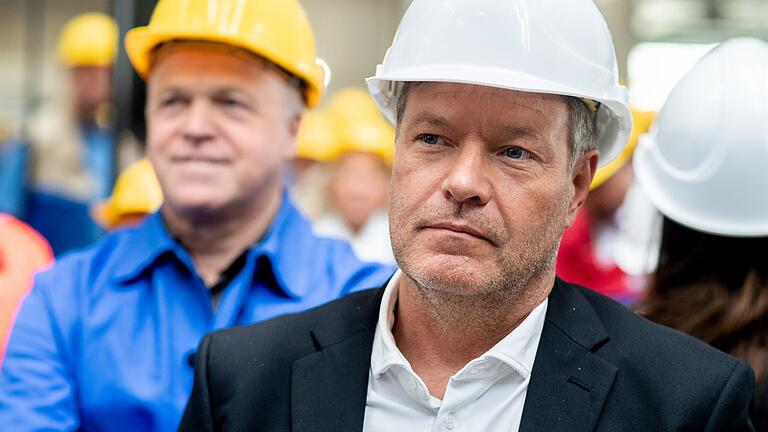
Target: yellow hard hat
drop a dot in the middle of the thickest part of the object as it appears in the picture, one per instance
(136, 191)
(354, 104)
(318, 137)
(89, 39)
(277, 30)
(376, 137)
(641, 123)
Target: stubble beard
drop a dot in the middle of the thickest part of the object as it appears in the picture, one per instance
(479, 305)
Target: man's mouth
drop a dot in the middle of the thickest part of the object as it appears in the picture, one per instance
(459, 228)
(199, 160)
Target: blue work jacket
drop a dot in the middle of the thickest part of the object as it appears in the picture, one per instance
(106, 338)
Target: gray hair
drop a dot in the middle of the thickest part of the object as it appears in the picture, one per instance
(583, 133)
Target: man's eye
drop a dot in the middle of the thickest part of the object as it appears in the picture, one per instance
(516, 153)
(429, 139)
(229, 103)
(171, 101)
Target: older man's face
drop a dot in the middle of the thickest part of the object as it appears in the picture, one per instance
(481, 188)
(220, 127)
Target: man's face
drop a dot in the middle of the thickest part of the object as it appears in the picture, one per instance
(91, 87)
(359, 186)
(220, 127)
(481, 187)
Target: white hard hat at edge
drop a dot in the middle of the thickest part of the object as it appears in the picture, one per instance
(704, 162)
(541, 46)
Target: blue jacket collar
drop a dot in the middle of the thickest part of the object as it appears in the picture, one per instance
(286, 245)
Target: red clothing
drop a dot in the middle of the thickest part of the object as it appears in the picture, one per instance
(577, 263)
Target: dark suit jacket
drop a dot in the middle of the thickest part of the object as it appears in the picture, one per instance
(598, 367)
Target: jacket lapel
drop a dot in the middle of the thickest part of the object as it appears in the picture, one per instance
(329, 388)
(569, 384)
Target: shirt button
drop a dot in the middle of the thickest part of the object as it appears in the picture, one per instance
(450, 421)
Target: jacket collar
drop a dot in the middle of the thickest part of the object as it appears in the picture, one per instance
(568, 387)
(340, 366)
(287, 243)
(569, 383)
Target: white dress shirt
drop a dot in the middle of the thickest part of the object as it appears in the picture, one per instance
(486, 395)
(370, 244)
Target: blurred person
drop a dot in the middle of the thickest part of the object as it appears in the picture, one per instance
(72, 137)
(136, 195)
(317, 147)
(500, 118)
(22, 253)
(353, 104)
(358, 189)
(72, 162)
(590, 249)
(106, 338)
(705, 170)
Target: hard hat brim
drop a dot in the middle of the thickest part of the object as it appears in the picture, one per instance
(141, 41)
(613, 120)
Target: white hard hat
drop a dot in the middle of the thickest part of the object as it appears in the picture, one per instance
(542, 46)
(705, 163)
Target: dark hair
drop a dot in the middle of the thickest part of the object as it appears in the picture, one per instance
(714, 288)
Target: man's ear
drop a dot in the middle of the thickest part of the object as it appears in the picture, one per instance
(294, 121)
(581, 177)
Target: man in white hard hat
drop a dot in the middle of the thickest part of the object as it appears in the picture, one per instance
(501, 107)
(106, 339)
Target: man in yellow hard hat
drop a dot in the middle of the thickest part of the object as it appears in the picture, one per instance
(106, 339)
(358, 188)
(71, 136)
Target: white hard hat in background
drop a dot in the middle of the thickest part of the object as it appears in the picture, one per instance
(705, 163)
(542, 46)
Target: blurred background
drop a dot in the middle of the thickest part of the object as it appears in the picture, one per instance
(657, 41)
(654, 39)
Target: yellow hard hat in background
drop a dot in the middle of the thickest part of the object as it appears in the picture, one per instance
(361, 126)
(277, 30)
(641, 123)
(136, 191)
(375, 137)
(354, 104)
(318, 137)
(89, 39)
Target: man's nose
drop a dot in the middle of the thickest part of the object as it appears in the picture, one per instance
(198, 124)
(467, 180)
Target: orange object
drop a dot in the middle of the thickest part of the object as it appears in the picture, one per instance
(22, 252)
